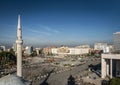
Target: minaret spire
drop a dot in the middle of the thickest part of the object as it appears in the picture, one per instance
(19, 30)
(19, 43)
(19, 23)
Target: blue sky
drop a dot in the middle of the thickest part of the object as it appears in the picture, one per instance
(59, 22)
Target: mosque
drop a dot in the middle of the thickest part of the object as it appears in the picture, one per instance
(16, 79)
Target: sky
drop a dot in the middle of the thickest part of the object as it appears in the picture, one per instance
(59, 22)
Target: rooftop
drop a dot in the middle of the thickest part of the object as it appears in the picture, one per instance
(111, 56)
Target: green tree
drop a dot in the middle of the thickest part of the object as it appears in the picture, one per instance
(115, 81)
(12, 51)
(7, 59)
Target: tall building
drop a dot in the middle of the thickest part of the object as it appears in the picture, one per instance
(116, 37)
(28, 50)
(19, 43)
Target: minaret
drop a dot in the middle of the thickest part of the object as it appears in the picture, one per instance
(19, 43)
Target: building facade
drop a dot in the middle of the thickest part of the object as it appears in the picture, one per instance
(70, 51)
(116, 38)
(110, 65)
(48, 50)
(100, 46)
(28, 50)
(37, 50)
(104, 47)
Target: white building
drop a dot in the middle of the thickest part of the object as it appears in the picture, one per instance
(100, 46)
(37, 50)
(106, 50)
(2, 48)
(110, 65)
(77, 51)
(28, 50)
(54, 50)
(103, 46)
(116, 38)
(70, 51)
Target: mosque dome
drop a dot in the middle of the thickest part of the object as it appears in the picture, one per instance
(13, 79)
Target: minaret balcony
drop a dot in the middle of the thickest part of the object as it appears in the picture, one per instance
(19, 41)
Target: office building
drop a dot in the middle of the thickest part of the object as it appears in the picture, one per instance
(116, 38)
(28, 50)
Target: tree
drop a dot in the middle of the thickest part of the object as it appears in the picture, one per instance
(115, 81)
(7, 59)
(12, 51)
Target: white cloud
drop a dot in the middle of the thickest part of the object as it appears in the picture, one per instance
(45, 33)
(49, 29)
(44, 30)
(38, 31)
(33, 30)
